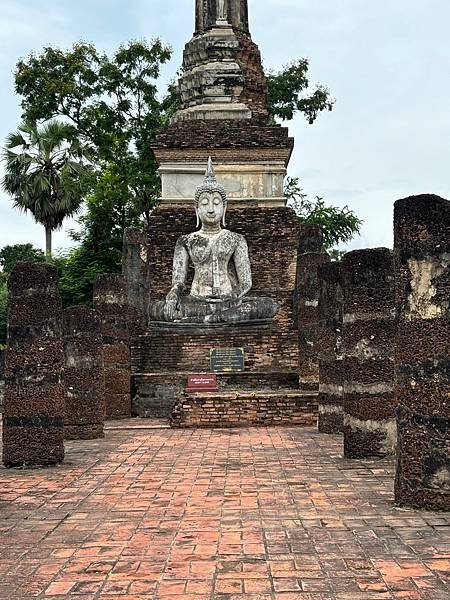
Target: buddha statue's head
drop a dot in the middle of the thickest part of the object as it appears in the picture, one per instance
(210, 199)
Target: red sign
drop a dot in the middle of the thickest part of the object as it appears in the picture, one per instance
(202, 383)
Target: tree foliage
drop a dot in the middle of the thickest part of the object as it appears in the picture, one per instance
(44, 173)
(287, 93)
(339, 225)
(112, 103)
(11, 255)
(99, 241)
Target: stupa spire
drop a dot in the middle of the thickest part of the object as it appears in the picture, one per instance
(213, 13)
(222, 75)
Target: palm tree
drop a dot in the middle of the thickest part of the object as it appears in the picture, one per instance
(45, 174)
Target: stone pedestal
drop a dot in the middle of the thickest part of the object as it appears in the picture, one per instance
(368, 347)
(329, 343)
(422, 351)
(33, 417)
(111, 302)
(84, 375)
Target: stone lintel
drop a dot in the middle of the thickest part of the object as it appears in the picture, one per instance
(259, 183)
(211, 111)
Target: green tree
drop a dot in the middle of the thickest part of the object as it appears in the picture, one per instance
(289, 93)
(339, 225)
(99, 242)
(111, 102)
(44, 174)
(11, 255)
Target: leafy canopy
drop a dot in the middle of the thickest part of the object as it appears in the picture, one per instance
(339, 225)
(111, 102)
(11, 255)
(286, 93)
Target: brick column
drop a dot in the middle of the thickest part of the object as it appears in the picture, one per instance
(84, 377)
(310, 257)
(368, 346)
(135, 272)
(331, 390)
(422, 351)
(2, 378)
(110, 300)
(33, 417)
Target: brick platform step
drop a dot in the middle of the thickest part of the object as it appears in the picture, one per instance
(260, 380)
(136, 425)
(245, 408)
(154, 394)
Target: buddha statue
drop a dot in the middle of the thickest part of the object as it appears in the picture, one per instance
(222, 271)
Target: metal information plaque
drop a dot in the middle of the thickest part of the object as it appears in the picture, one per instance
(227, 360)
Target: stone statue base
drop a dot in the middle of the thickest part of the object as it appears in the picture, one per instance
(194, 310)
(223, 23)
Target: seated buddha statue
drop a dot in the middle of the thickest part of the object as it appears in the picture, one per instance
(222, 272)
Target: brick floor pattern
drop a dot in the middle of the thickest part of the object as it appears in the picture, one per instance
(254, 514)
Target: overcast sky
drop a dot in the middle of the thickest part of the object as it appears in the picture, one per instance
(385, 61)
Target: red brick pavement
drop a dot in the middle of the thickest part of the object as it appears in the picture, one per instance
(256, 514)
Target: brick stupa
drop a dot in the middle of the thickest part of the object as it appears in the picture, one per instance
(224, 115)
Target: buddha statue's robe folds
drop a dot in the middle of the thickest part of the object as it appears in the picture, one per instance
(222, 271)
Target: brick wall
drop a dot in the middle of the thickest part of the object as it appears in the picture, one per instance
(244, 410)
(155, 394)
(2, 378)
(111, 302)
(310, 258)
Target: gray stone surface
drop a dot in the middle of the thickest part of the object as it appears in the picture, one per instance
(212, 82)
(259, 183)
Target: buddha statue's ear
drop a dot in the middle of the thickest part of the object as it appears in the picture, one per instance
(224, 215)
(198, 218)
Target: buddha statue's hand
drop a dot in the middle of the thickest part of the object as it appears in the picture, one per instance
(172, 305)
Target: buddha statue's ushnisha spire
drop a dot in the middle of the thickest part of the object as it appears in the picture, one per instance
(210, 184)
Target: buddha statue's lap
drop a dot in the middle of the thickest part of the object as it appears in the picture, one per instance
(196, 310)
(222, 272)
